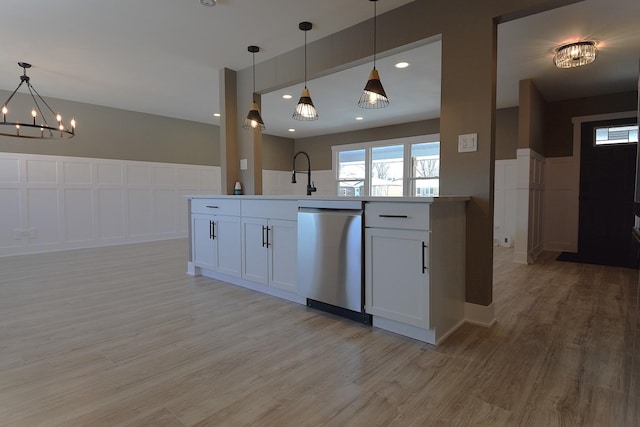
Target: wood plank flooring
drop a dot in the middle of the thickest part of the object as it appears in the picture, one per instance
(121, 336)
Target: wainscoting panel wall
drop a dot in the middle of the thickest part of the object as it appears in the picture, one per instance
(52, 203)
(530, 206)
(505, 207)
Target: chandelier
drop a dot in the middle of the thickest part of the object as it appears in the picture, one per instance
(575, 54)
(37, 126)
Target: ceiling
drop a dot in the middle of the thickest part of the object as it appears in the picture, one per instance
(163, 56)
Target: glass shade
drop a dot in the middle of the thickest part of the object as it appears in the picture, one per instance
(575, 54)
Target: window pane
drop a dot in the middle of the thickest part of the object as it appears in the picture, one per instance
(616, 135)
(425, 160)
(387, 170)
(351, 165)
(351, 188)
(429, 187)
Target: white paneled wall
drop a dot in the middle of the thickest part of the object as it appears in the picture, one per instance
(530, 206)
(52, 203)
(504, 220)
(279, 183)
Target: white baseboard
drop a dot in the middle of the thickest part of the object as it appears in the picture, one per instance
(481, 315)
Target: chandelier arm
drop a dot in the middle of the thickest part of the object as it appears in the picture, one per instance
(35, 101)
(42, 99)
(14, 92)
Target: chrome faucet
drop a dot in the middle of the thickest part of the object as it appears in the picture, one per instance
(310, 185)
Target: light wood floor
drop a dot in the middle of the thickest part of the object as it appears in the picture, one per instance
(122, 336)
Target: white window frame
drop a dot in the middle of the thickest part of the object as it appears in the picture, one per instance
(368, 146)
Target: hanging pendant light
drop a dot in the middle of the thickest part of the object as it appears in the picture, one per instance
(253, 120)
(373, 95)
(305, 110)
(36, 126)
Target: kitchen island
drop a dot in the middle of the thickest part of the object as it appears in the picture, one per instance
(413, 253)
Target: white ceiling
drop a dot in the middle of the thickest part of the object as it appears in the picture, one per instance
(163, 56)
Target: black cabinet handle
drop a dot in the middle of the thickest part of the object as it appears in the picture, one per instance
(268, 229)
(424, 267)
(211, 229)
(263, 228)
(211, 207)
(393, 216)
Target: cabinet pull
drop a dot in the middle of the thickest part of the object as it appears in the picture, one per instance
(424, 267)
(213, 230)
(263, 243)
(393, 216)
(268, 229)
(211, 207)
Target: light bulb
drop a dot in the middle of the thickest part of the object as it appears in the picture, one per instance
(254, 124)
(73, 123)
(4, 109)
(61, 127)
(373, 98)
(17, 125)
(33, 113)
(59, 117)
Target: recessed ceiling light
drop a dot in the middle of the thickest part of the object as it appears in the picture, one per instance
(359, 118)
(402, 65)
(292, 130)
(287, 96)
(208, 2)
(216, 114)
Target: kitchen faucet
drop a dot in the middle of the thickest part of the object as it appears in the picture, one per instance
(310, 186)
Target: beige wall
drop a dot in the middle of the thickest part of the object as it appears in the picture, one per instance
(506, 133)
(559, 132)
(531, 118)
(110, 133)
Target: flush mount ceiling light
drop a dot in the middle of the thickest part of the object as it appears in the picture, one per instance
(373, 95)
(208, 2)
(305, 110)
(253, 120)
(37, 125)
(575, 54)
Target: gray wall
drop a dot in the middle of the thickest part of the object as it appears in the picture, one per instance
(110, 133)
(506, 133)
(532, 118)
(559, 129)
(277, 153)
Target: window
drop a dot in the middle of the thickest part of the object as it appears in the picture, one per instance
(616, 135)
(390, 168)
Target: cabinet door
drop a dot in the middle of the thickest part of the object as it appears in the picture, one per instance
(254, 250)
(283, 244)
(203, 249)
(228, 251)
(397, 275)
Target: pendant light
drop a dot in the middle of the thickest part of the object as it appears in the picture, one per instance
(253, 120)
(373, 95)
(305, 110)
(575, 54)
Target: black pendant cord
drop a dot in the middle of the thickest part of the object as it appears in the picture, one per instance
(305, 59)
(253, 95)
(375, 14)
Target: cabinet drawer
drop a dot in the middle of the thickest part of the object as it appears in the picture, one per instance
(413, 216)
(216, 206)
(273, 209)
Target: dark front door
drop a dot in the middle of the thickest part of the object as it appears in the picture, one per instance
(607, 181)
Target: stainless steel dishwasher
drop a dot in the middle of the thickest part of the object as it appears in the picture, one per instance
(330, 257)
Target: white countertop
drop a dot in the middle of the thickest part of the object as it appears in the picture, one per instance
(438, 199)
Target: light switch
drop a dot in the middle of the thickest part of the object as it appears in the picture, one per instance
(243, 164)
(467, 143)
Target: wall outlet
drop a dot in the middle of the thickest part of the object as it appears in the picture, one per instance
(243, 164)
(467, 143)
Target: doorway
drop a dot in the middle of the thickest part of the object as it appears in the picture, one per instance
(607, 182)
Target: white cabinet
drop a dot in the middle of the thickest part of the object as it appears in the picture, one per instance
(215, 236)
(269, 252)
(415, 267)
(397, 275)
